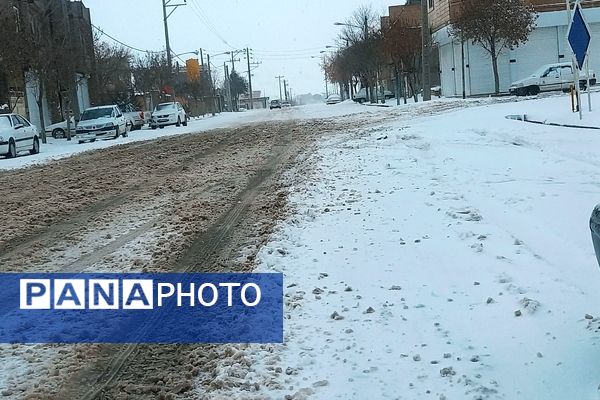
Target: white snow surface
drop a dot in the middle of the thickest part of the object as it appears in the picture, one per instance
(426, 235)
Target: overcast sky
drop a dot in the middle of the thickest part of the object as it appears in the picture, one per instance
(284, 34)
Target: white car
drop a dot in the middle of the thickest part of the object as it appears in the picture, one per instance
(101, 122)
(361, 95)
(17, 135)
(59, 130)
(334, 99)
(168, 114)
(550, 77)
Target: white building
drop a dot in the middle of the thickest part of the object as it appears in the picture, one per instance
(547, 44)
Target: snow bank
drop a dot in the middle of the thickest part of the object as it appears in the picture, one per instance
(443, 257)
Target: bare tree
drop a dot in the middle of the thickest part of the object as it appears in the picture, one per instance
(112, 79)
(496, 25)
(360, 33)
(402, 45)
(151, 73)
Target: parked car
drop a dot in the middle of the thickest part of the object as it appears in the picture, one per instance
(101, 122)
(361, 95)
(136, 119)
(550, 77)
(275, 104)
(168, 114)
(59, 130)
(17, 135)
(286, 104)
(334, 99)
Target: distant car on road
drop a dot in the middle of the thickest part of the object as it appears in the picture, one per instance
(17, 135)
(166, 114)
(275, 104)
(59, 130)
(286, 104)
(101, 122)
(550, 77)
(334, 99)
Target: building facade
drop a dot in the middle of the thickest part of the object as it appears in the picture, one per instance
(66, 25)
(546, 44)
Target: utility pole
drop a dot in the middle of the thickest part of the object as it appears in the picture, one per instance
(280, 93)
(167, 4)
(285, 89)
(227, 86)
(250, 79)
(212, 87)
(426, 50)
(366, 33)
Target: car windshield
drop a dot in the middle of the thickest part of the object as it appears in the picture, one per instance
(4, 122)
(165, 107)
(541, 71)
(95, 113)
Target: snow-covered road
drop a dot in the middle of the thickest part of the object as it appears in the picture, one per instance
(445, 257)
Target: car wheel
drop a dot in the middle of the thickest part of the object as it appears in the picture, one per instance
(153, 128)
(185, 122)
(178, 124)
(12, 150)
(58, 133)
(36, 146)
(81, 142)
(533, 90)
(162, 127)
(92, 140)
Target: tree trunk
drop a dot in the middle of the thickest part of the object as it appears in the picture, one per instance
(495, 68)
(398, 85)
(40, 104)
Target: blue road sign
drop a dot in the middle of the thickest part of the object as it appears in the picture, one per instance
(579, 37)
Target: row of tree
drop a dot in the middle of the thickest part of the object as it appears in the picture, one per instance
(368, 54)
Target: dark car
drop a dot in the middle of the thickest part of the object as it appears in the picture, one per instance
(275, 104)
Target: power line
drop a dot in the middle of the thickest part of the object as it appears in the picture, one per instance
(308, 50)
(206, 20)
(124, 44)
